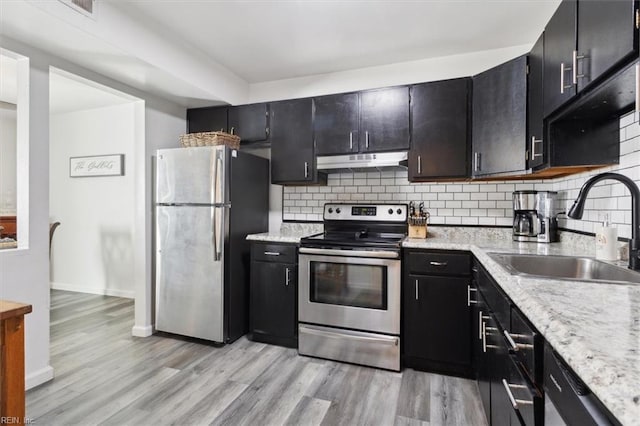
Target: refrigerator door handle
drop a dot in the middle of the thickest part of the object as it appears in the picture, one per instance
(217, 234)
(214, 222)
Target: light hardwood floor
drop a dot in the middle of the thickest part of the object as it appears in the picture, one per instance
(103, 375)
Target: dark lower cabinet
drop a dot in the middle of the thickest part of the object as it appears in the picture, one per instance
(439, 130)
(211, 119)
(273, 294)
(436, 317)
(503, 373)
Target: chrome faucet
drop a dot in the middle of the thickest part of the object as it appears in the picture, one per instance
(577, 210)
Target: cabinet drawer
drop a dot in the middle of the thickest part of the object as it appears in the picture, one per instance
(497, 302)
(274, 252)
(528, 343)
(439, 262)
(528, 402)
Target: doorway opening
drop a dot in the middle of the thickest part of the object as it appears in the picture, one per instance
(93, 133)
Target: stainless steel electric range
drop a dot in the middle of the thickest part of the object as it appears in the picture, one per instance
(349, 285)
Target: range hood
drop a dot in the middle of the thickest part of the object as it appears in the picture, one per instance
(381, 161)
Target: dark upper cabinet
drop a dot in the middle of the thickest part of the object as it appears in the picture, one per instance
(499, 119)
(292, 151)
(250, 122)
(560, 43)
(607, 34)
(439, 130)
(211, 119)
(535, 126)
(584, 40)
(335, 124)
(384, 119)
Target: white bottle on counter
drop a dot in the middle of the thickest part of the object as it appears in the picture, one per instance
(606, 241)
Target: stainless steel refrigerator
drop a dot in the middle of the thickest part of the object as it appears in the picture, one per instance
(207, 200)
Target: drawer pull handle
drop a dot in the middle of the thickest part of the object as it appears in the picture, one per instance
(515, 402)
(433, 263)
(516, 346)
(271, 253)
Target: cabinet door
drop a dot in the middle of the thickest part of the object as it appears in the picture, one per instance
(439, 130)
(384, 120)
(607, 34)
(498, 360)
(535, 127)
(292, 156)
(480, 355)
(499, 118)
(559, 44)
(335, 124)
(437, 322)
(250, 122)
(207, 120)
(273, 299)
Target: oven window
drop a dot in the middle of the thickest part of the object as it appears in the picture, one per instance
(363, 286)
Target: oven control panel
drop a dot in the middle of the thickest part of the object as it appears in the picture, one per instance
(366, 212)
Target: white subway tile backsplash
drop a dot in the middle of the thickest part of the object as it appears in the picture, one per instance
(479, 203)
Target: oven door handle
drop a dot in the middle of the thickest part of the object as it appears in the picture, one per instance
(392, 341)
(350, 253)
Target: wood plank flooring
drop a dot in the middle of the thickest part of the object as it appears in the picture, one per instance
(103, 375)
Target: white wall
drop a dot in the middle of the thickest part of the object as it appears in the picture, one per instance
(8, 163)
(424, 70)
(92, 250)
(24, 273)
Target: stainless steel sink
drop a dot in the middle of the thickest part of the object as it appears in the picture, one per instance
(565, 268)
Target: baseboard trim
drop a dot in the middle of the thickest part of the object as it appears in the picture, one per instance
(128, 294)
(38, 377)
(142, 330)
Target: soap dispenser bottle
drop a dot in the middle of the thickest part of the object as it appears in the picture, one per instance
(606, 241)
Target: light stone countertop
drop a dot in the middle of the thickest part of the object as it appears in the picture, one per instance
(594, 327)
(289, 233)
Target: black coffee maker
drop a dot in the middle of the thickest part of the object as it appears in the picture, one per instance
(534, 216)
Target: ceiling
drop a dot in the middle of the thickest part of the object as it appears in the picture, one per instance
(199, 52)
(272, 40)
(69, 93)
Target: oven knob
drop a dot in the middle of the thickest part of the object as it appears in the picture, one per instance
(399, 211)
(390, 211)
(338, 210)
(330, 210)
